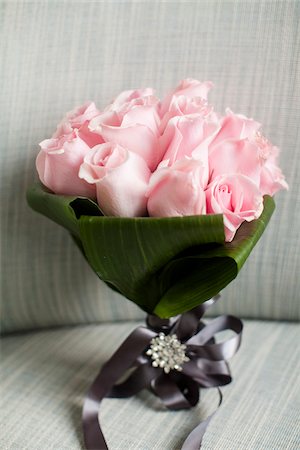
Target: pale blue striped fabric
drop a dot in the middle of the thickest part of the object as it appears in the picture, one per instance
(56, 54)
(46, 374)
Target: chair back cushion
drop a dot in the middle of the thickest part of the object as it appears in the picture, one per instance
(57, 55)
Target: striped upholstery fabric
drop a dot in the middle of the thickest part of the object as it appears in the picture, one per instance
(55, 55)
(45, 375)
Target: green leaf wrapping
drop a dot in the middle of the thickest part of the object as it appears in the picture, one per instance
(165, 265)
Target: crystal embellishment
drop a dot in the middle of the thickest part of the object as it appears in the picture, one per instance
(167, 352)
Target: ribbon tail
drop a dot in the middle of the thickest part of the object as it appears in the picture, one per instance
(194, 439)
(122, 360)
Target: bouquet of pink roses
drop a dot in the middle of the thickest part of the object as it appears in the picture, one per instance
(166, 199)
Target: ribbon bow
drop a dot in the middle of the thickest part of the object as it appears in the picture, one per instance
(204, 366)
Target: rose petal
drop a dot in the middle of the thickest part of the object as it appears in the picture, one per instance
(177, 190)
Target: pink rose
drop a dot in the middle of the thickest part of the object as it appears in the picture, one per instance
(58, 164)
(188, 136)
(121, 179)
(134, 125)
(177, 190)
(230, 150)
(239, 148)
(182, 106)
(188, 88)
(79, 119)
(236, 197)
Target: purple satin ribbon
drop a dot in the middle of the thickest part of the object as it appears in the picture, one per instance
(206, 368)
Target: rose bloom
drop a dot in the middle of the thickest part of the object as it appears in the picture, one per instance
(236, 197)
(188, 88)
(177, 190)
(79, 119)
(58, 164)
(133, 125)
(240, 148)
(184, 106)
(230, 149)
(201, 163)
(121, 179)
(188, 136)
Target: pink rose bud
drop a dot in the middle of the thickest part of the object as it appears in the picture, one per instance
(58, 164)
(79, 119)
(134, 125)
(189, 88)
(236, 197)
(177, 190)
(121, 178)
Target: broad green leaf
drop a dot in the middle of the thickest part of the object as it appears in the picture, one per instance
(62, 209)
(130, 253)
(165, 265)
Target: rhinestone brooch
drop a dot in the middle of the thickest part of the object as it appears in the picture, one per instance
(167, 352)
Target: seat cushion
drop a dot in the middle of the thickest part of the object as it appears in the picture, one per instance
(46, 374)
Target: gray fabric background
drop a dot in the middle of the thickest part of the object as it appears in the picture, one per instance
(55, 55)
